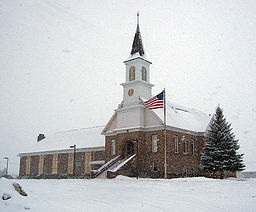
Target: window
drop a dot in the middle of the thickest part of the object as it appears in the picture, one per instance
(154, 143)
(144, 74)
(176, 144)
(192, 147)
(132, 73)
(78, 164)
(193, 171)
(154, 166)
(113, 147)
(184, 145)
(185, 171)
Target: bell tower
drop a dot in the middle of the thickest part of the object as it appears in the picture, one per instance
(130, 114)
(137, 77)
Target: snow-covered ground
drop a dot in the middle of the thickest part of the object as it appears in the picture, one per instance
(126, 194)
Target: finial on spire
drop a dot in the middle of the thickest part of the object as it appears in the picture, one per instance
(138, 14)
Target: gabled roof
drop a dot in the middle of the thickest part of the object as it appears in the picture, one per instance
(82, 138)
(178, 118)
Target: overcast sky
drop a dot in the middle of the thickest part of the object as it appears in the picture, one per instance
(61, 63)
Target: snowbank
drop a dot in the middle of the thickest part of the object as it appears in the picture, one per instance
(16, 202)
(129, 194)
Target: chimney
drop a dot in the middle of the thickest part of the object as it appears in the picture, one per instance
(40, 137)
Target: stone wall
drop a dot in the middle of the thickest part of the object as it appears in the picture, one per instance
(34, 165)
(22, 170)
(63, 164)
(176, 161)
(58, 165)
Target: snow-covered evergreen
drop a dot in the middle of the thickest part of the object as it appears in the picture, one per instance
(221, 150)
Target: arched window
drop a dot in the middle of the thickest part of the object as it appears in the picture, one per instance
(132, 73)
(144, 74)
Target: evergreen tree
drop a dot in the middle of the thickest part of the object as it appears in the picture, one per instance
(221, 150)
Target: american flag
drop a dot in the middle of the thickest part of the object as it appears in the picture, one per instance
(156, 102)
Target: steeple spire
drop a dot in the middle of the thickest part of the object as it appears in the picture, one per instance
(138, 15)
(137, 45)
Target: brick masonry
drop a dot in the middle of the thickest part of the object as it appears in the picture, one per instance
(34, 165)
(22, 170)
(175, 161)
(60, 168)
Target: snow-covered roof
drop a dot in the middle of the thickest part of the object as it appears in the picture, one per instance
(82, 138)
(181, 117)
(184, 118)
(135, 56)
(178, 118)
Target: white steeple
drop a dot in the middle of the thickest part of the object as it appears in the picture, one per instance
(130, 114)
(137, 81)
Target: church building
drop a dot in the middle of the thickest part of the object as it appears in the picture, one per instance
(136, 141)
(137, 137)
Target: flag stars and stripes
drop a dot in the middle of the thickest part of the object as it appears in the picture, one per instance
(156, 102)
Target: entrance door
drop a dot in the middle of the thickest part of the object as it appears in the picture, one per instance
(129, 148)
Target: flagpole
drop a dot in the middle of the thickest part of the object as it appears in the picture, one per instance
(165, 142)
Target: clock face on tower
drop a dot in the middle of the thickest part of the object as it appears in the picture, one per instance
(130, 92)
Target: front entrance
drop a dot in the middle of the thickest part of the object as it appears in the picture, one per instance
(129, 148)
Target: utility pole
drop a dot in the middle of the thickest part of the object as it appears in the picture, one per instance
(7, 161)
(74, 160)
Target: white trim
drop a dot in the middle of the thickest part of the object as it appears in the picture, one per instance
(137, 82)
(108, 124)
(151, 128)
(135, 58)
(90, 149)
(127, 108)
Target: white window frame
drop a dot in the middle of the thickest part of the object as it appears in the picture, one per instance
(113, 147)
(176, 144)
(192, 146)
(185, 145)
(154, 143)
